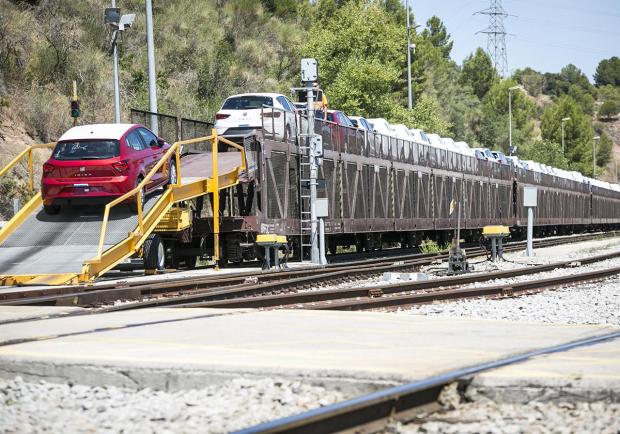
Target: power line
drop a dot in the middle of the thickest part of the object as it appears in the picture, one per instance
(496, 36)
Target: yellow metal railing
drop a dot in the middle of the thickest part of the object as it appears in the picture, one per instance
(26, 152)
(174, 149)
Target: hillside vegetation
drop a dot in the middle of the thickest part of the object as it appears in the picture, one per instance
(207, 50)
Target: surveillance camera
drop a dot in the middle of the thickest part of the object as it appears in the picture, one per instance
(126, 21)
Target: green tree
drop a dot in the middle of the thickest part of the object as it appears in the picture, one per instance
(578, 132)
(438, 35)
(424, 115)
(479, 73)
(533, 81)
(494, 131)
(608, 72)
(545, 152)
(608, 110)
(374, 43)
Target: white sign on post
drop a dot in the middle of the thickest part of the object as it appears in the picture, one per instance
(530, 196)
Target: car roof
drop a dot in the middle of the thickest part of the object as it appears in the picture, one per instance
(272, 95)
(96, 131)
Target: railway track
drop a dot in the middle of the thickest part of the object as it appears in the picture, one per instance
(371, 413)
(420, 292)
(245, 286)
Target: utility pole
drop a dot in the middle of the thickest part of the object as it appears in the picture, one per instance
(510, 89)
(117, 23)
(564, 120)
(117, 92)
(151, 65)
(594, 139)
(409, 90)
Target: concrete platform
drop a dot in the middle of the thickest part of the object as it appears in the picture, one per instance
(185, 348)
(18, 313)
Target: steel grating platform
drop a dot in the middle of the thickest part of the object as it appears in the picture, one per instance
(57, 244)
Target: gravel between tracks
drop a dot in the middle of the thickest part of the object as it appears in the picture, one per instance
(61, 408)
(486, 416)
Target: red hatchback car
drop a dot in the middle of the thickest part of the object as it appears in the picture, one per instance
(93, 164)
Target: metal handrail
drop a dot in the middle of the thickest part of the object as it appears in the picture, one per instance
(27, 151)
(174, 149)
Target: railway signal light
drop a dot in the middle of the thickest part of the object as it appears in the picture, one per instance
(75, 109)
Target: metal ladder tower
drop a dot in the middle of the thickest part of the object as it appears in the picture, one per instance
(305, 219)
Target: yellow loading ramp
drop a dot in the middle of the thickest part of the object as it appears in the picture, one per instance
(79, 246)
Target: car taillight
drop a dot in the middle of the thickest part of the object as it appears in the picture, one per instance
(272, 114)
(47, 168)
(220, 116)
(121, 166)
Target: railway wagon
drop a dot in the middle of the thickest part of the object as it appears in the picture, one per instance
(381, 189)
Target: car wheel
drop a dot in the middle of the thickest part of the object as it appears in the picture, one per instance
(51, 209)
(172, 173)
(153, 253)
(134, 203)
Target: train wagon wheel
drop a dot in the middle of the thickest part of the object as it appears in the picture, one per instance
(154, 253)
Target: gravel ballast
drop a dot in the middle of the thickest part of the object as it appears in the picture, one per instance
(62, 408)
(536, 417)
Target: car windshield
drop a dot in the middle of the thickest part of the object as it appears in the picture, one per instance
(86, 150)
(247, 102)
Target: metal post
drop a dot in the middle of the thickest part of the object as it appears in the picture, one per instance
(594, 139)
(314, 250)
(322, 241)
(117, 92)
(562, 136)
(529, 252)
(458, 226)
(151, 66)
(509, 121)
(15, 205)
(216, 202)
(409, 90)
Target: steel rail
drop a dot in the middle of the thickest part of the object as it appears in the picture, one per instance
(377, 292)
(192, 283)
(399, 402)
(211, 288)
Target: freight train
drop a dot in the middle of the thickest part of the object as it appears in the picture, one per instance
(383, 190)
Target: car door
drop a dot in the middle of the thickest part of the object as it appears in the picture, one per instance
(155, 153)
(137, 156)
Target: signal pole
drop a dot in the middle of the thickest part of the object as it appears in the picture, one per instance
(117, 92)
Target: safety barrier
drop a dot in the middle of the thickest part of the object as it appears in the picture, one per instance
(35, 201)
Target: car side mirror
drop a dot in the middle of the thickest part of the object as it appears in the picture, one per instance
(160, 142)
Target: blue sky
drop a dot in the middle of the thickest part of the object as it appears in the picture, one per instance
(548, 34)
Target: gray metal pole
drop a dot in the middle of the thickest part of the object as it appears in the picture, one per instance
(314, 250)
(409, 90)
(117, 92)
(509, 122)
(594, 157)
(322, 241)
(151, 65)
(530, 232)
(562, 122)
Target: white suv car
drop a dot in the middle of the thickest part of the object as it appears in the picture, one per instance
(273, 112)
